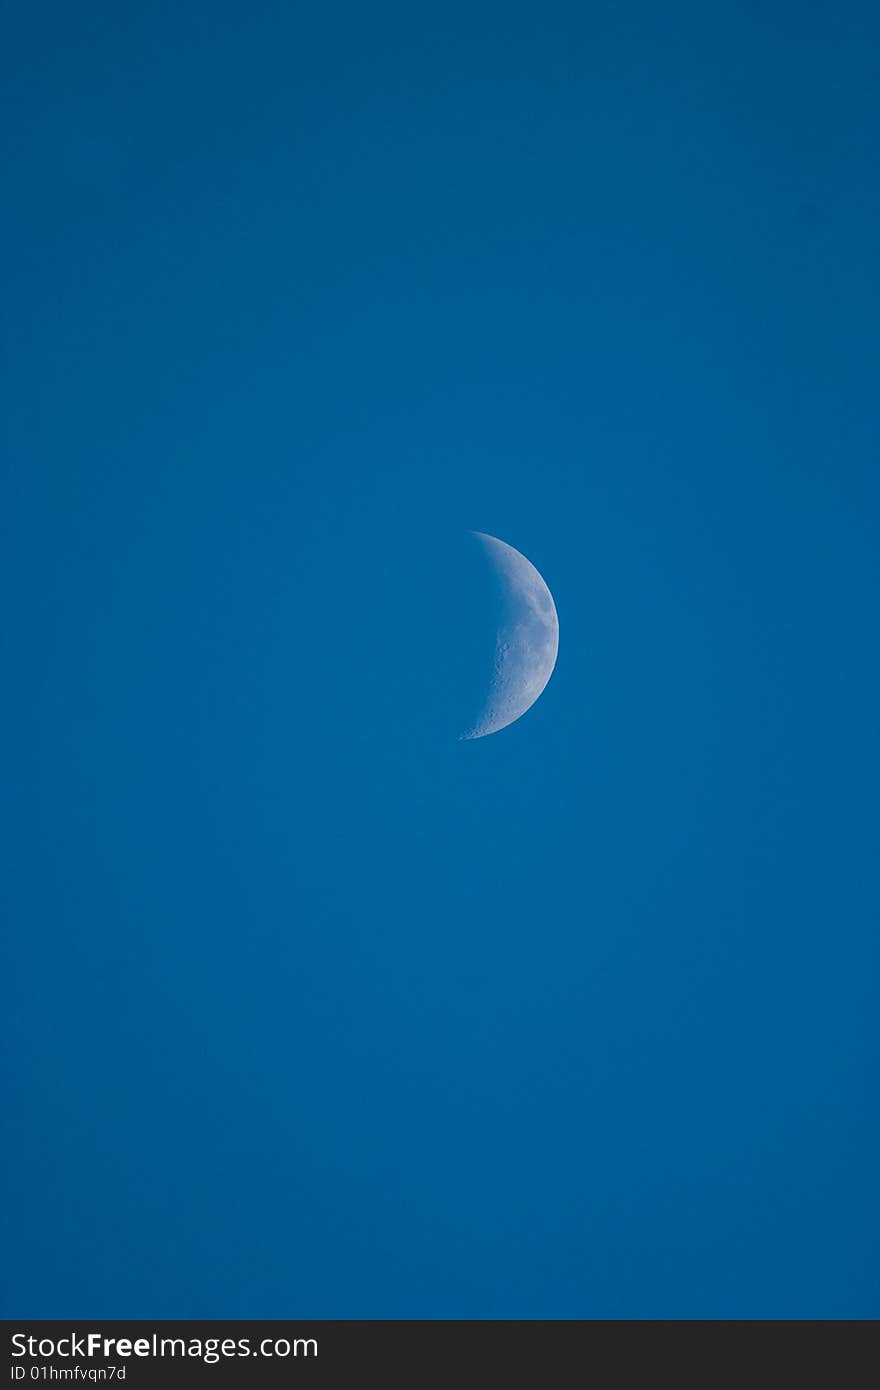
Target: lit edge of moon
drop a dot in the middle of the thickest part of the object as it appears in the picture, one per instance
(526, 644)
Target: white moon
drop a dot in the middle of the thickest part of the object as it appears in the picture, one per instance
(527, 640)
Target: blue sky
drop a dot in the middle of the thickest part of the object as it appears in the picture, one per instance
(314, 1010)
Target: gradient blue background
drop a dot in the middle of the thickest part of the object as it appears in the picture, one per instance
(311, 1009)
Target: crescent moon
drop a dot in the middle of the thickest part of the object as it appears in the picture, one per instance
(527, 641)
